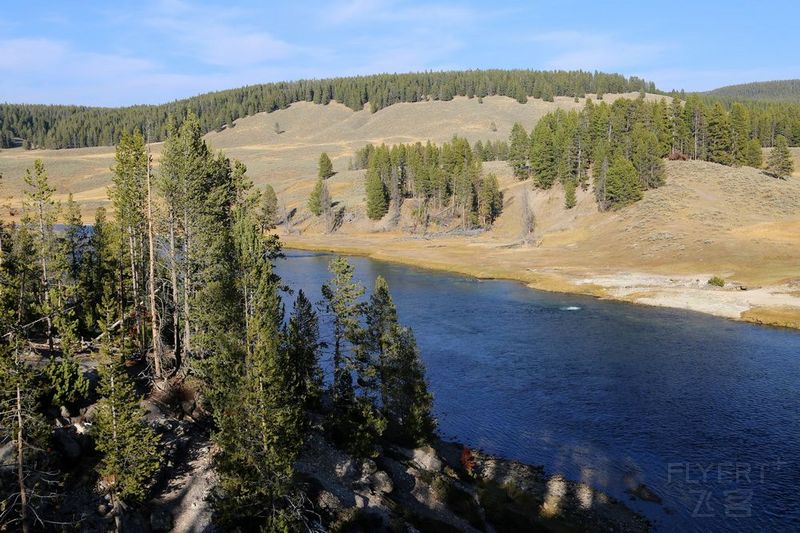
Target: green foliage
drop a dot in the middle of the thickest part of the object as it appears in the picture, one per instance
(377, 194)
(268, 213)
(570, 200)
(303, 343)
(753, 156)
(518, 151)
(66, 381)
(622, 183)
(490, 200)
(780, 161)
(316, 199)
(325, 166)
(128, 446)
(763, 91)
(716, 281)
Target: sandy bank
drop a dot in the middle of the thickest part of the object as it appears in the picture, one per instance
(774, 304)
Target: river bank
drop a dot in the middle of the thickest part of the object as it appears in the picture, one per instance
(680, 286)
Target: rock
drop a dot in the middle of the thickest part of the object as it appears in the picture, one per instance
(64, 412)
(188, 407)
(328, 501)
(345, 469)
(368, 467)
(381, 482)
(67, 443)
(102, 509)
(89, 413)
(160, 520)
(426, 459)
(361, 501)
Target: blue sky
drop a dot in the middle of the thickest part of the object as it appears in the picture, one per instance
(152, 51)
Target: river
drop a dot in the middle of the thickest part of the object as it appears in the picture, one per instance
(704, 411)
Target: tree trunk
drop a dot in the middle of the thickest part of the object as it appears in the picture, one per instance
(46, 279)
(156, 330)
(23, 492)
(175, 300)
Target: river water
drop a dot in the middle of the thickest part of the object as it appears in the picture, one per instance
(704, 411)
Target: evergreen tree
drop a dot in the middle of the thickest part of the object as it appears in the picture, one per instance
(325, 167)
(490, 200)
(622, 185)
(25, 433)
(544, 162)
(268, 214)
(315, 198)
(304, 344)
(570, 199)
(646, 159)
(129, 447)
(40, 212)
(720, 142)
(356, 423)
(377, 195)
(780, 162)
(754, 156)
(259, 445)
(518, 151)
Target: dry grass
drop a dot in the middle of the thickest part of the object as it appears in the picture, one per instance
(708, 219)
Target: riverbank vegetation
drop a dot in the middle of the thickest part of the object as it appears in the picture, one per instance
(180, 287)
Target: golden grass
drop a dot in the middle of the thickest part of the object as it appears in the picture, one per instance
(787, 317)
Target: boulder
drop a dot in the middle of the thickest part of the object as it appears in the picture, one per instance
(328, 501)
(426, 459)
(368, 467)
(381, 482)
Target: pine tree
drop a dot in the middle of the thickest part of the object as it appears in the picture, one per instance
(355, 421)
(720, 142)
(544, 161)
(259, 445)
(268, 214)
(622, 185)
(570, 200)
(518, 148)
(129, 447)
(304, 344)
(28, 434)
(315, 198)
(40, 212)
(779, 162)
(325, 166)
(490, 200)
(754, 156)
(377, 196)
(646, 159)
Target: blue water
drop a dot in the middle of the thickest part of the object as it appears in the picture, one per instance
(704, 411)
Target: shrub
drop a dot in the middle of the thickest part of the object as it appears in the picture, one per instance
(717, 281)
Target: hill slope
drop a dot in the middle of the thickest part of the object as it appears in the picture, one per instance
(766, 91)
(707, 220)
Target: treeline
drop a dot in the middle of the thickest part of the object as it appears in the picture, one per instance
(766, 91)
(622, 145)
(56, 126)
(180, 284)
(447, 180)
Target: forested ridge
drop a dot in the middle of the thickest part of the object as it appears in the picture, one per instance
(63, 126)
(768, 91)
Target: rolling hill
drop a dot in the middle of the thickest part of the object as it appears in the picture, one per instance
(765, 91)
(707, 220)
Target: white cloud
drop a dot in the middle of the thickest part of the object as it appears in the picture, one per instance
(589, 51)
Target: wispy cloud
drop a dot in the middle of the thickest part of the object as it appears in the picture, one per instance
(580, 50)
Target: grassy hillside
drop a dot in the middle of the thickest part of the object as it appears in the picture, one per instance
(707, 220)
(765, 91)
(43, 126)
